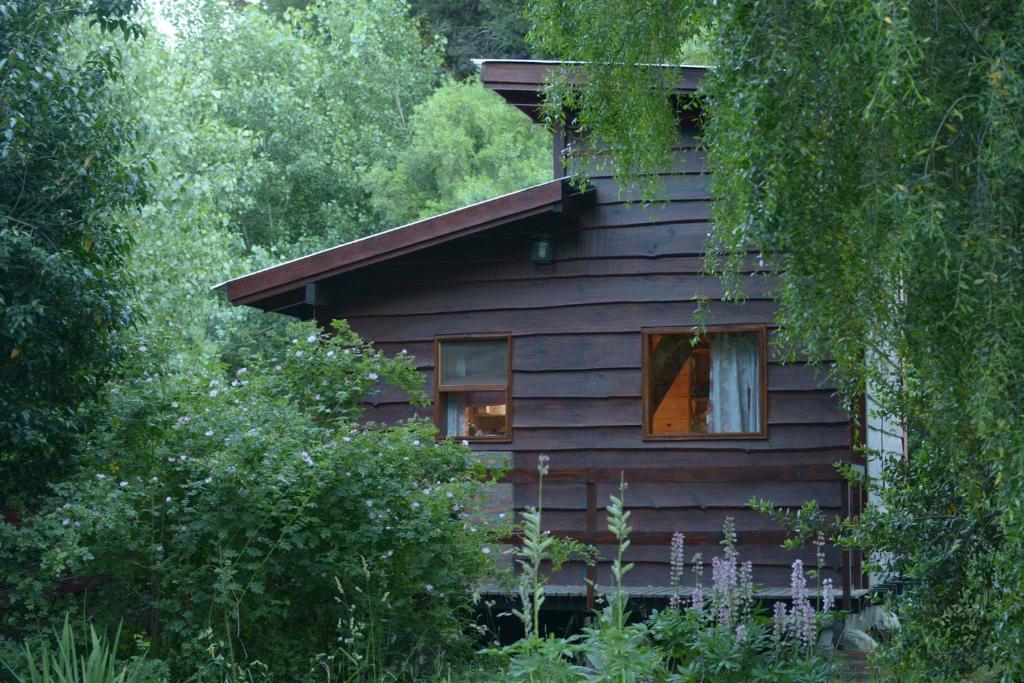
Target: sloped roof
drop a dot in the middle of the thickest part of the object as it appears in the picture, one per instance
(284, 285)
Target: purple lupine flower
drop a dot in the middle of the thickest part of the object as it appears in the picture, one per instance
(779, 621)
(697, 599)
(802, 612)
(306, 458)
(746, 585)
(542, 464)
(723, 587)
(741, 633)
(827, 599)
(677, 563)
(677, 559)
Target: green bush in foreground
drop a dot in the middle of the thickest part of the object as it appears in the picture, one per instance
(245, 522)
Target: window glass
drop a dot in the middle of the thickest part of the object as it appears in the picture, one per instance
(473, 388)
(474, 362)
(475, 414)
(708, 386)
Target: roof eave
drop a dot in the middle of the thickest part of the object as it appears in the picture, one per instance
(283, 286)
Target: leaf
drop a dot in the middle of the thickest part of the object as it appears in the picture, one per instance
(15, 352)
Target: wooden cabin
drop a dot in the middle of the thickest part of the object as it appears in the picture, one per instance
(560, 321)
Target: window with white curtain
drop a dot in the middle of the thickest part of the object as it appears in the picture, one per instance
(472, 376)
(704, 385)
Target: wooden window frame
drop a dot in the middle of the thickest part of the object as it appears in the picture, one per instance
(648, 435)
(443, 389)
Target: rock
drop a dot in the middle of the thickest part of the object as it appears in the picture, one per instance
(825, 640)
(881, 620)
(855, 640)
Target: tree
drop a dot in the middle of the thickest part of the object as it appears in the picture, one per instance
(283, 117)
(476, 29)
(466, 145)
(873, 154)
(64, 184)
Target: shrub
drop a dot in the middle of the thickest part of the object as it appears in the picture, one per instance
(222, 512)
(719, 634)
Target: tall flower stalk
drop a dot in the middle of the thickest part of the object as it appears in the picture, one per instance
(535, 548)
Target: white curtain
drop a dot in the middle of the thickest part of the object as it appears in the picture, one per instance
(735, 402)
(455, 414)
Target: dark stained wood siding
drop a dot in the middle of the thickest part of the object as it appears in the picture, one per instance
(576, 377)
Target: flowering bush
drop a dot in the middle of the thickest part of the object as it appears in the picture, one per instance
(718, 634)
(242, 515)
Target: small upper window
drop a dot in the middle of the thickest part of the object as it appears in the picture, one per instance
(699, 385)
(473, 388)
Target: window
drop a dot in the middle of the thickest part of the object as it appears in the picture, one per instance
(704, 386)
(472, 377)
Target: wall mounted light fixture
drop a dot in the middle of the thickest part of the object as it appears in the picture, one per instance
(542, 249)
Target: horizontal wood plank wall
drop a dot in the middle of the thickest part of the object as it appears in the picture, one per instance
(576, 382)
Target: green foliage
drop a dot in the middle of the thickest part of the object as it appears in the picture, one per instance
(719, 636)
(476, 29)
(872, 154)
(66, 665)
(63, 182)
(242, 518)
(268, 124)
(467, 145)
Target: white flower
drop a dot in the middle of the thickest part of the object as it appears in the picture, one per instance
(404, 352)
(346, 438)
(213, 392)
(167, 499)
(78, 524)
(317, 397)
(209, 432)
(277, 368)
(415, 505)
(66, 522)
(100, 476)
(306, 459)
(486, 550)
(208, 480)
(241, 371)
(428, 587)
(311, 338)
(183, 458)
(449, 494)
(122, 484)
(416, 442)
(234, 382)
(66, 505)
(426, 492)
(298, 354)
(465, 442)
(330, 354)
(143, 348)
(174, 404)
(155, 479)
(369, 503)
(372, 376)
